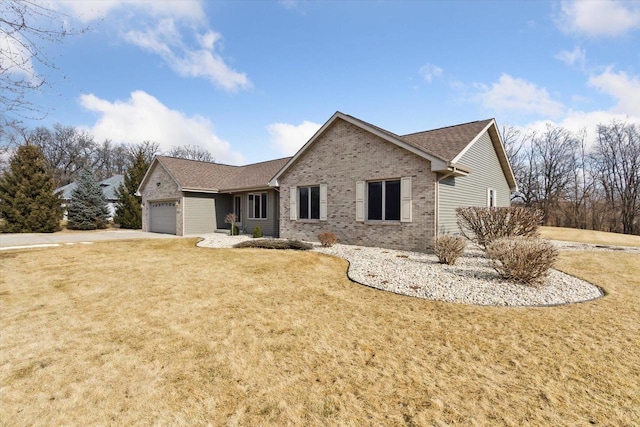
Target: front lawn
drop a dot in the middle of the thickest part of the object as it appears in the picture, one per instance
(160, 332)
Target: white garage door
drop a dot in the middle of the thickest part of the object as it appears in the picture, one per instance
(162, 217)
(199, 215)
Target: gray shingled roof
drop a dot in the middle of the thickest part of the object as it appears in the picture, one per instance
(446, 142)
(192, 174)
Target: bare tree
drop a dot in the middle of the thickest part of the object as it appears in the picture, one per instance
(191, 152)
(580, 187)
(148, 149)
(513, 145)
(616, 159)
(547, 168)
(67, 149)
(110, 159)
(25, 26)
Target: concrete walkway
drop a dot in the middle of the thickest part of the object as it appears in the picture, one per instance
(38, 240)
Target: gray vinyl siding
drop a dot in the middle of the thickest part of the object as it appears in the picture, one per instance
(471, 190)
(269, 226)
(199, 213)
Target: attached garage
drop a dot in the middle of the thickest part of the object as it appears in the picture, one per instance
(199, 213)
(162, 217)
(189, 197)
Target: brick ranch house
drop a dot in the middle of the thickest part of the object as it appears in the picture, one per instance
(365, 184)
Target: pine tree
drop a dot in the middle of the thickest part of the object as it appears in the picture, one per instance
(128, 210)
(88, 209)
(27, 201)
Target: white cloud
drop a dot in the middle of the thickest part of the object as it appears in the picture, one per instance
(143, 117)
(575, 57)
(514, 94)
(165, 40)
(172, 22)
(581, 121)
(429, 72)
(90, 10)
(599, 18)
(626, 89)
(289, 4)
(288, 138)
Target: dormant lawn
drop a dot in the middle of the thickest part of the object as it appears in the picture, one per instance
(160, 332)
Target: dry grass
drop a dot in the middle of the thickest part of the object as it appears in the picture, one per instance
(589, 236)
(162, 333)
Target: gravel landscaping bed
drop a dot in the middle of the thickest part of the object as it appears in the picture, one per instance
(470, 281)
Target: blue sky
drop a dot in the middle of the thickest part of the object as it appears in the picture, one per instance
(253, 80)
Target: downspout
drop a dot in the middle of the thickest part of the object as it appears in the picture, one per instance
(277, 189)
(437, 199)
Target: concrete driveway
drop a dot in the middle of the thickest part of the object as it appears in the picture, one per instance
(38, 240)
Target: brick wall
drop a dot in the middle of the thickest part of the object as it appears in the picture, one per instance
(166, 190)
(343, 155)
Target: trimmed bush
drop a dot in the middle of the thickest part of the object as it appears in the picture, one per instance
(257, 232)
(448, 248)
(274, 244)
(522, 260)
(484, 225)
(327, 239)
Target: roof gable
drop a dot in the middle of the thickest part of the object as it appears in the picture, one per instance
(440, 146)
(448, 142)
(437, 163)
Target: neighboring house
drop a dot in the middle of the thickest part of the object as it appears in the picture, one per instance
(365, 184)
(108, 187)
(187, 197)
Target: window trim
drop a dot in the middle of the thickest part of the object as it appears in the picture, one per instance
(384, 200)
(237, 208)
(309, 202)
(294, 202)
(251, 209)
(492, 197)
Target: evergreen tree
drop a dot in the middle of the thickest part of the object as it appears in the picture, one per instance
(27, 201)
(128, 210)
(88, 209)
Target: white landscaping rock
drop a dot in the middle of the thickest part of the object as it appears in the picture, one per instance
(470, 281)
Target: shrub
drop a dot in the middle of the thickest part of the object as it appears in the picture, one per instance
(448, 248)
(523, 260)
(327, 239)
(484, 225)
(274, 244)
(257, 232)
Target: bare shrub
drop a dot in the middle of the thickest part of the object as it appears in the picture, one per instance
(448, 248)
(484, 225)
(327, 239)
(522, 260)
(274, 244)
